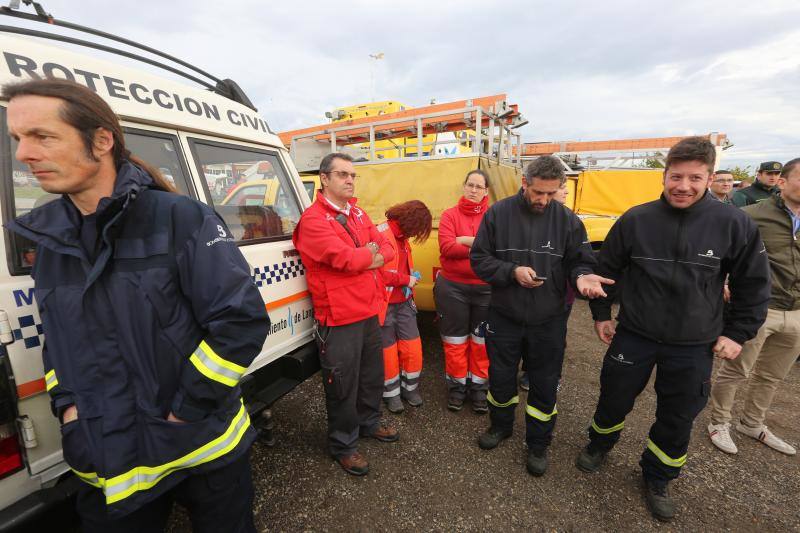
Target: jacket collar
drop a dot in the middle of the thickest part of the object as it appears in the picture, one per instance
(523, 204)
(758, 185)
(326, 204)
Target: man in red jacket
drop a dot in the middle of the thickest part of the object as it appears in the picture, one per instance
(341, 251)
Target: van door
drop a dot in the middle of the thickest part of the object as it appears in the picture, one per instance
(261, 209)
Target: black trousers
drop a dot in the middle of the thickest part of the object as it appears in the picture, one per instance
(568, 312)
(351, 357)
(542, 347)
(220, 500)
(682, 386)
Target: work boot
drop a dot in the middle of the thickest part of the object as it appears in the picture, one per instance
(455, 401)
(394, 405)
(413, 397)
(537, 462)
(764, 435)
(720, 435)
(492, 437)
(590, 459)
(658, 499)
(383, 433)
(355, 464)
(479, 404)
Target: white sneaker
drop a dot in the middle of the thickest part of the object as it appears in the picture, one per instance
(721, 437)
(767, 437)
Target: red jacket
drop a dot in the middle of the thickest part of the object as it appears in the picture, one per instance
(396, 272)
(342, 290)
(459, 221)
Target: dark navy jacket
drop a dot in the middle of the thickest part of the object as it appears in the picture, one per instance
(166, 319)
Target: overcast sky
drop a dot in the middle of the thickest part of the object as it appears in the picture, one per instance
(578, 70)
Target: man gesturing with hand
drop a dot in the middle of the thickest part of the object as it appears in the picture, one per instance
(671, 257)
(528, 247)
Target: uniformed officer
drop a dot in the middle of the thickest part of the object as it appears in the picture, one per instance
(672, 256)
(765, 186)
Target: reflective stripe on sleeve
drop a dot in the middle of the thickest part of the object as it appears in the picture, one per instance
(477, 339)
(540, 415)
(494, 402)
(606, 431)
(50, 380)
(664, 458)
(212, 366)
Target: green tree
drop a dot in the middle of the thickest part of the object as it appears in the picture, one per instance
(742, 173)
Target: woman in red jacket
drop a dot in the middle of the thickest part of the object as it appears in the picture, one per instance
(462, 299)
(402, 348)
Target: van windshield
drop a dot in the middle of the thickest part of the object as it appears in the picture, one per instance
(249, 188)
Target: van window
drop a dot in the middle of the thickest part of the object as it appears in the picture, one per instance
(161, 151)
(157, 149)
(309, 187)
(250, 190)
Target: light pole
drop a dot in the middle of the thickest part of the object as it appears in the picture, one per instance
(377, 57)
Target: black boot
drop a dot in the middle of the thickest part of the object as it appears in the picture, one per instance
(591, 459)
(659, 501)
(537, 462)
(492, 437)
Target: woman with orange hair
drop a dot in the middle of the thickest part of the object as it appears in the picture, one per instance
(402, 348)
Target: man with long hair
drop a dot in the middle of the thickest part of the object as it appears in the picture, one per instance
(150, 318)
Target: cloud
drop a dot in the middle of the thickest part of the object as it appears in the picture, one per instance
(579, 70)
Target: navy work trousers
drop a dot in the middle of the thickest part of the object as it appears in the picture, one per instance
(542, 347)
(219, 500)
(682, 387)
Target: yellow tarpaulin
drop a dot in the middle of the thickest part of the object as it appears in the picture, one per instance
(612, 192)
(436, 182)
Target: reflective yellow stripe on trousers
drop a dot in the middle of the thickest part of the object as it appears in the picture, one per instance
(540, 415)
(664, 458)
(606, 431)
(145, 477)
(494, 402)
(212, 366)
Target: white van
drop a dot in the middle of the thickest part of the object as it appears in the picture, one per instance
(199, 139)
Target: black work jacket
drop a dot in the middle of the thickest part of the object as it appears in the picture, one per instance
(553, 243)
(670, 265)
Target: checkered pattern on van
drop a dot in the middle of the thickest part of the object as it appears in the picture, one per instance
(271, 274)
(28, 331)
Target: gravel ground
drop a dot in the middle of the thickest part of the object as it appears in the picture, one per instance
(437, 479)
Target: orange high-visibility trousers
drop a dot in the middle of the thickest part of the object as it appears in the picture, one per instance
(402, 349)
(462, 309)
